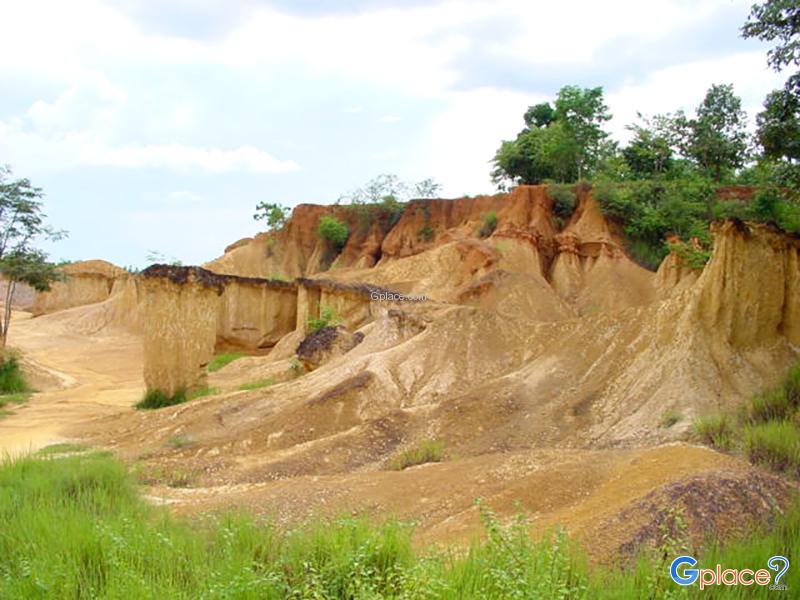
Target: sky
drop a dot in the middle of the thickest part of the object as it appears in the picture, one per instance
(158, 125)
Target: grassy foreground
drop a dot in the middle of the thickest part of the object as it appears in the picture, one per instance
(75, 527)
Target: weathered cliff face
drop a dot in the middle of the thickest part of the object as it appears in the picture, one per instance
(749, 294)
(85, 282)
(188, 313)
(591, 270)
(435, 249)
(254, 315)
(180, 327)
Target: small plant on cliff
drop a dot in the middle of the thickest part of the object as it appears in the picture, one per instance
(427, 451)
(223, 359)
(564, 199)
(333, 231)
(327, 318)
(275, 215)
(690, 255)
(426, 233)
(489, 224)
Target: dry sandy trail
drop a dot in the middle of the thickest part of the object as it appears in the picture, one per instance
(87, 375)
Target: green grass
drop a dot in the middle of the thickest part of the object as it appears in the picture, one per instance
(63, 448)
(158, 399)
(670, 418)
(223, 359)
(427, 451)
(7, 399)
(255, 385)
(179, 441)
(76, 527)
(766, 429)
(12, 380)
(775, 444)
(715, 430)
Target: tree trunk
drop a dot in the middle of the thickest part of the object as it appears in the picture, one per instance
(10, 289)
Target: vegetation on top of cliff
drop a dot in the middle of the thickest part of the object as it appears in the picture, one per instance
(383, 200)
(275, 215)
(766, 430)
(662, 182)
(76, 527)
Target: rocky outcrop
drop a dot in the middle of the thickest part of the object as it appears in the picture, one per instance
(180, 307)
(592, 271)
(85, 282)
(189, 312)
(325, 344)
(749, 294)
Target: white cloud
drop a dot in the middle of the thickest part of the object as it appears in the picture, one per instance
(33, 151)
(390, 119)
(462, 139)
(684, 86)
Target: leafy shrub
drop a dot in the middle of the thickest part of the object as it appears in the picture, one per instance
(426, 452)
(333, 230)
(12, 380)
(564, 199)
(489, 224)
(693, 257)
(223, 359)
(327, 318)
(775, 444)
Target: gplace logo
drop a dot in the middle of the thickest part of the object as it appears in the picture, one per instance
(687, 576)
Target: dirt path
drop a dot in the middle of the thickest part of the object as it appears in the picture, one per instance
(85, 376)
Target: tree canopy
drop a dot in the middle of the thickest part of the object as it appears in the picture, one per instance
(22, 225)
(561, 142)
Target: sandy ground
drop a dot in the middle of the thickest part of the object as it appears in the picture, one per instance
(99, 375)
(90, 382)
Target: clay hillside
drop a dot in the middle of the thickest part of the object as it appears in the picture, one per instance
(538, 366)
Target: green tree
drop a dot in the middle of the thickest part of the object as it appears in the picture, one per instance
(274, 214)
(540, 115)
(716, 139)
(649, 153)
(778, 21)
(582, 113)
(22, 224)
(778, 126)
(561, 143)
